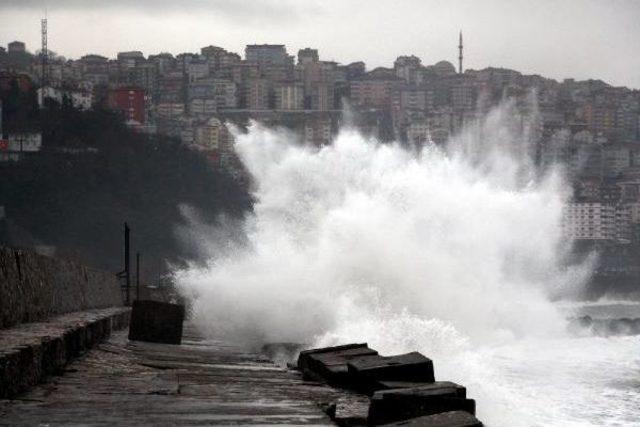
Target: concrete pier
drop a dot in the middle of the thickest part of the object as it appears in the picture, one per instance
(200, 382)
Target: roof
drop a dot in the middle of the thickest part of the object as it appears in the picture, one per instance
(271, 46)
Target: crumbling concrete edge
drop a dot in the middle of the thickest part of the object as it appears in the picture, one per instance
(25, 366)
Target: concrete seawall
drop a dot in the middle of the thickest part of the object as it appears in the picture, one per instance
(51, 311)
(35, 287)
(31, 352)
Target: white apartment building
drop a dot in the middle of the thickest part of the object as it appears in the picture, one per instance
(208, 136)
(18, 144)
(318, 131)
(82, 100)
(290, 96)
(418, 133)
(597, 221)
(203, 106)
(167, 110)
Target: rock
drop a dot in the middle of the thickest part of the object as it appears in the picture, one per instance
(401, 404)
(158, 322)
(350, 410)
(330, 364)
(413, 367)
(446, 419)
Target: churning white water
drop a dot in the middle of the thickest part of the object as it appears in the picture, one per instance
(455, 252)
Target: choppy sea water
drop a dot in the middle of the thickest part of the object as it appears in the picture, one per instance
(452, 251)
(569, 381)
(565, 379)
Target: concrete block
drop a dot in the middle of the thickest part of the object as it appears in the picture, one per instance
(446, 419)
(106, 326)
(75, 340)
(350, 410)
(330, 364)
(157, 322)
(305, 355)
(19, 369)
(386, 385)
(401, 404)
(440, 388)
(120, 320)
(9, 372)
(413, 367)
(93, 333)
(54, 355)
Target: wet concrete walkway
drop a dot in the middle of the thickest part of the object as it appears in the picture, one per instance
(197, 383)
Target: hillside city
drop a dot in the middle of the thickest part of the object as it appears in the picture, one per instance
(590, 126)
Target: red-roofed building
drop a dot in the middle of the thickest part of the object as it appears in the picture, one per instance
(130, 101)
(22, 80)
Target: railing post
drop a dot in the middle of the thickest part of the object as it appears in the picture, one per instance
(137, 275)
(127, 264)
(126, 273)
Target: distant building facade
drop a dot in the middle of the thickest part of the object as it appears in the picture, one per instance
(129, 101)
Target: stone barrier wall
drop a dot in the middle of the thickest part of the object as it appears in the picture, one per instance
(34, 287)
(31, 352)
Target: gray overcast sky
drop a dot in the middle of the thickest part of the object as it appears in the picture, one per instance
(555, 38)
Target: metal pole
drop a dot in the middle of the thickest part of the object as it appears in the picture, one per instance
(126, 263)
(45, 56)
(137, 275)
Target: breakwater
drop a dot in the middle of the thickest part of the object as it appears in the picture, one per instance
(34, 287)
(387, 389)
(51, 311)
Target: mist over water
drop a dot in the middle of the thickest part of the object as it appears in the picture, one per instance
(453, 251)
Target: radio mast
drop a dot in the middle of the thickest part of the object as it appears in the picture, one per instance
(44, 52)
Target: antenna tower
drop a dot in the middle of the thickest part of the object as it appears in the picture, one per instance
(460, 54)
(44, 53)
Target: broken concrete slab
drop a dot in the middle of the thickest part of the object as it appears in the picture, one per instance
(155, 321)
(304, 359)
(446, 419)
(401, 404)
(390, 410)
(350, 410)
(413, 367)
(402, 387)
(330, 364)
